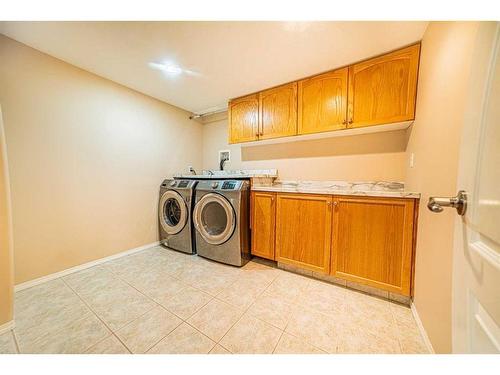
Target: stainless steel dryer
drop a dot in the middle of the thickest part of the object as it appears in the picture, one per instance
(221, 220)
(174, 214)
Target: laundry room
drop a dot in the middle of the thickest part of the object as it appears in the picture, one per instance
(179, 186)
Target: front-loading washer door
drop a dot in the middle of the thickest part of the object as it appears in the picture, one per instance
(173, 212)
(214, 218)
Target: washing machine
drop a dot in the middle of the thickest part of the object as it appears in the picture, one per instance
(221, 220)
(174, 215)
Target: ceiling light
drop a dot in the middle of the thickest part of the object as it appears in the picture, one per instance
(167, 68)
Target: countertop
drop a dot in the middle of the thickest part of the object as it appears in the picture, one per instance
(240, 173)
(361, 188)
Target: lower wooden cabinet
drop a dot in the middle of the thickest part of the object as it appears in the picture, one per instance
(263, 224)
(373, 242)
(303, 230)
(367, 240)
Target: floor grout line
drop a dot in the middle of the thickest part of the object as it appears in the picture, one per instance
(97, 316)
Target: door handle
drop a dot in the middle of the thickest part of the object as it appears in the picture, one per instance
(437, 204)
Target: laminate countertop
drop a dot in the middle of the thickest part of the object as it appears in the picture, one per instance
(361, 188)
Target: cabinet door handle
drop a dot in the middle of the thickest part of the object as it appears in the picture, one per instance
(350, 121)
(344, 122)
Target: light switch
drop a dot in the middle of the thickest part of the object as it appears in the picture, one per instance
(412, 160)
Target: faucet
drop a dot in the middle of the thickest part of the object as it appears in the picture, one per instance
(221, 165)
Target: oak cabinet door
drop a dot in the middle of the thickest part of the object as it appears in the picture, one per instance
(383, 90)
(373, 242)
(303, 230)
(263, 224)
(323, 102)
(243, 115)
(278, 111)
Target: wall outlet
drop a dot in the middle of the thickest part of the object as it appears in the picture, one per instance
(412, 160)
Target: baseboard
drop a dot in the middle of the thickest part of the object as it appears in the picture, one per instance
(52, 276)
(421, 328)
(6, 327)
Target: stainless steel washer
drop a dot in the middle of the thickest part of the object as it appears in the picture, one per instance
(174, 215)
(221, 220)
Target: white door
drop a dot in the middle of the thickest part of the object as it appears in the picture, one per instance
(476, 263)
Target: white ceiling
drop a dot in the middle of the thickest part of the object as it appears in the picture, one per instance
(229, 59)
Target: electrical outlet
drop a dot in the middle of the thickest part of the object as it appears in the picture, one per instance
(412, 160)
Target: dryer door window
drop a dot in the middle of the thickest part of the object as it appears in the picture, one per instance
(172, 212)
(214, 218)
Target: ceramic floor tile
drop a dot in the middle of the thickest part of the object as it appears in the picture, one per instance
(215, 318)
(402, 314)
(320, 330)
(110, 345)
(241, 294)
(251, 336)
(219, 350)
(89, 281)
(273, 310)
(289, 344)
(288, 286)
(187, 302)
(183, 340)
(75, 338)
(413, 345)
(323, 297)
(156, 284)
(7, 343)
(410, 339)
(117, 303)
(39, 313)
(142, 333)
(357, 340)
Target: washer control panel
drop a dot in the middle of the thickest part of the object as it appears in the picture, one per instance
(229, 185)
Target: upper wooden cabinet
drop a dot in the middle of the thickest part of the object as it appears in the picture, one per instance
(263, 212)
(243, 115)
(303, 230)
(373, 242)
(322, 102)
(383, 90)
(377, 91)
(278, 111)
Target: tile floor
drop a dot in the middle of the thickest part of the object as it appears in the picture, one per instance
(162, 301)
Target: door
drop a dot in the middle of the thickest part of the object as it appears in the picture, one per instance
(476, 258)
(373, 242)
(278, 111)
(263, 224)
(383, 90)
(303, 230)
(243, 119)
(323, 102)
(172, 212)
(214, 218)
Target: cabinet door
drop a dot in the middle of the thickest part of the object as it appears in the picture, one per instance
(373, 241)
(303, 230)
(243, 114)
(263, 224)
(278, 111)
(323, 102)
(383, 90)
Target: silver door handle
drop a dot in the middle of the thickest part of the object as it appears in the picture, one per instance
(459, 202)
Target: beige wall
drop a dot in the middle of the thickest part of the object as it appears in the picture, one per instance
(6, 263)
(379, 156)
(435, 140)
(86, 157)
